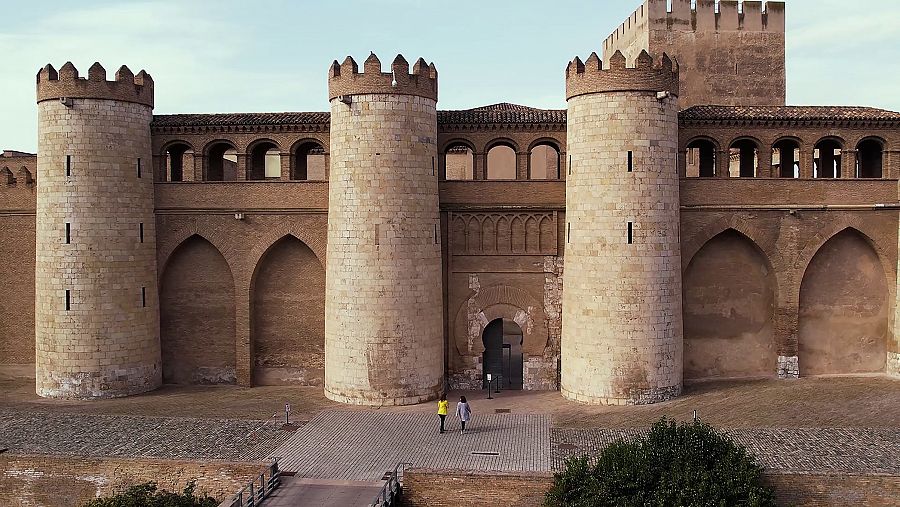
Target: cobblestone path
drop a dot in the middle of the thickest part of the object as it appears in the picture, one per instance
(359, 446)
(858, 450)
(137, 436)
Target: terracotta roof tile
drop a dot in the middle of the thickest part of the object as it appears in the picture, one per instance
(229, 119)
(789, 113)
(517, 114)
(503, 112)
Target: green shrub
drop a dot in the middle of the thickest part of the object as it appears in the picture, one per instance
(674, 465)
(148, 495)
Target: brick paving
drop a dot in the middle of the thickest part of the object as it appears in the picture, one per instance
(295, 491)
(362, 446)
(857, 450)
(138, 436)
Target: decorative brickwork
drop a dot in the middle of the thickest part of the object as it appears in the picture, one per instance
(97, 316)
(622, 317)
(345, 78)
(383, 324)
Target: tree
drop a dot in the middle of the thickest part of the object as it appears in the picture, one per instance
(674, 465)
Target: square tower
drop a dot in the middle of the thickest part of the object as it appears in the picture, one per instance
(729, 53)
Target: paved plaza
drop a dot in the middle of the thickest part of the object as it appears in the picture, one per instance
(812, 425)
(362, 446)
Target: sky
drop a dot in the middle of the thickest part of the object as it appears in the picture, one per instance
(210, 56)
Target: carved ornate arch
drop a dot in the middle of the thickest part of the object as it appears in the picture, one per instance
(499, 302)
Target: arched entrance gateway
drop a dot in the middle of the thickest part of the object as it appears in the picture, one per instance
(502, 356)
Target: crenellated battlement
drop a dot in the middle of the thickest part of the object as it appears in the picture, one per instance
(66, 83)
(345, 78)
(705, 16)
(644, 74)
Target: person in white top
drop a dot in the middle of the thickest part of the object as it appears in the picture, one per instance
(464, 412)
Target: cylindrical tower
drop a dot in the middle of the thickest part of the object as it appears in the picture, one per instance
(622, 323)
(96, 312)
(383, 296)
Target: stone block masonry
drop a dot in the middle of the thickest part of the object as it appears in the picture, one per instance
(96, 311)
(622, 327)
(383, 294)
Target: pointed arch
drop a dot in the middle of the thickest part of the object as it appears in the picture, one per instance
(197, 315)
(844, 307)
(302, 231)
(730, 294)
(692, 245)
(287, 309)
(168, 243)
(814, 245)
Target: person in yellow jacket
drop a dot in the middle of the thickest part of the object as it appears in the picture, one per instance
(443, 408)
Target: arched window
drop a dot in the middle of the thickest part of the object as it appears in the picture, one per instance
(827, 159)
(459, 162)
(501, 163)
(786, 159)
(309, 162)
(869, 159)
(265, 161)
(543, 162)
(177, 161)
(6, 176)
(221, 162)
(701, 159)
(743, 160)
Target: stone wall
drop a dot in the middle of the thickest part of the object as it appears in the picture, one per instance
(383, 301)
(622, 318)
(725, 57)
(96, 311)
(66, 481)
(449, 488)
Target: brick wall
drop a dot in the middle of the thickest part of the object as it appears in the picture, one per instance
(289, 316)
(197, 301)
(66, 481)
(439, 488)
(17, 291)
(452, 488)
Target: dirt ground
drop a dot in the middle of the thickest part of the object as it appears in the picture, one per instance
(810, 402)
